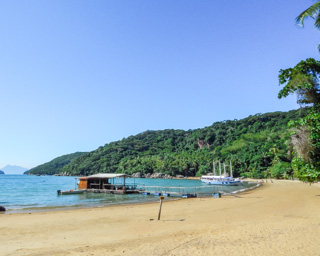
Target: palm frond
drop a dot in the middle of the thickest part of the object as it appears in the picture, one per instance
(317, 22)
(312, 12)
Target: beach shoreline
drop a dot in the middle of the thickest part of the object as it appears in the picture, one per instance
(280, 218)
(56, 203)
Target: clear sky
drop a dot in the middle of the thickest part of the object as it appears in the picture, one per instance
(75, 75)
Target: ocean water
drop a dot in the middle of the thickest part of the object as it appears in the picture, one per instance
(28, 193)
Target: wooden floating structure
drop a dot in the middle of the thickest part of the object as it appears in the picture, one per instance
(112, 183)
(162, 190)
(183, 192)
(189, 195)
(70, 192)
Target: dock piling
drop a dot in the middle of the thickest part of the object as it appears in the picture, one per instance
(161, 198)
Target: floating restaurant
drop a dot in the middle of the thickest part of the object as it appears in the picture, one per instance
(111, 183)
(107, 183)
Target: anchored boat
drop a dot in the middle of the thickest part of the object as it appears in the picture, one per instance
(221, 180)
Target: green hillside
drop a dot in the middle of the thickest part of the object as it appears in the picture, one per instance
(55, 165)
(252, 144)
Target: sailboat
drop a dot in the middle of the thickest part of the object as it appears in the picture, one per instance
(221, 180)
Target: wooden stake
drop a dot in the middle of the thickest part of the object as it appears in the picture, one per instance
(161, 198)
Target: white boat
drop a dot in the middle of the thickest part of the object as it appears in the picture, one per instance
(220, 180)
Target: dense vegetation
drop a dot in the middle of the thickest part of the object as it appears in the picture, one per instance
(1, 172)
(257, 146)
(303, 79)
(55, 165)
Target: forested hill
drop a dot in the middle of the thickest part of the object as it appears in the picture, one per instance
(1, 172)
(252, 144)
(55, 165)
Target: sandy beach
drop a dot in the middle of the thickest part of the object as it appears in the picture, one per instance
(279, 218)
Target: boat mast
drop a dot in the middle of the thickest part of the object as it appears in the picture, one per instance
(224, 170)
(231, 169)
(219, 168)
(214, 168)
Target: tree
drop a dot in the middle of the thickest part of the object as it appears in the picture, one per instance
(303, 79)
(314, 12)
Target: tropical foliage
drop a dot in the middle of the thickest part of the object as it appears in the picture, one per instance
(254, 145)
(313, 12)
(303, 80)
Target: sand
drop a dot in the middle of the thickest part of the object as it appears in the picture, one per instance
(279, 218)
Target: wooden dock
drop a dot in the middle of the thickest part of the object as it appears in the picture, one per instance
(185, 192)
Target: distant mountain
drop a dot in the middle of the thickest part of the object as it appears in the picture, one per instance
(14, 169)
(1, 172)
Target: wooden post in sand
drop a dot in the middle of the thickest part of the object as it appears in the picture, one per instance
(161, 198)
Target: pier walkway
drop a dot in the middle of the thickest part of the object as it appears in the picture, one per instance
(201, 191)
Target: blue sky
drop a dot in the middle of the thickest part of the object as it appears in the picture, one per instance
(75, 75)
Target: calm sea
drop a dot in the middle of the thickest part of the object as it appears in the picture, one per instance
(28, 193)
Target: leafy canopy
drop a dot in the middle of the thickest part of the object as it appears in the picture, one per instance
(245, 142)
(303, 79)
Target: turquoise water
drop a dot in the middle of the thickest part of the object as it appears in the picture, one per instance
(25, 193)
